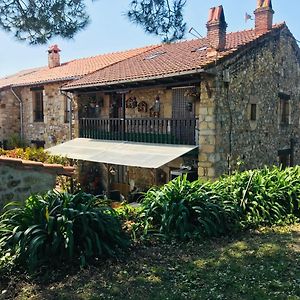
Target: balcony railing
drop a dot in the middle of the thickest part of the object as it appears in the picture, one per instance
(147, 130)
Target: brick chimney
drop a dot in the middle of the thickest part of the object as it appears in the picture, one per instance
(53, 56)
(216, 29)
(263, 16)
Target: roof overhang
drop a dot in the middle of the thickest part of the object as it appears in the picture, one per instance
(184, 77)
(120, 153)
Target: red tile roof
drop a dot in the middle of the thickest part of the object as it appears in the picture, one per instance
(166, 60)
(38, 166)
(70, 70)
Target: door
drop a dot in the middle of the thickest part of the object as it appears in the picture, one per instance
(183, 114)
(116, 113)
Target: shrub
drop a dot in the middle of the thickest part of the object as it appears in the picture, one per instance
(265, 197)
(244, 200)
(183, 209)
(58, 226)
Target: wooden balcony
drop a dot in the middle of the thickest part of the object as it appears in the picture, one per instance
(146, 130)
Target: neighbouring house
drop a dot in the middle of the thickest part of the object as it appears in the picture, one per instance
(32, 104)
(204, 105)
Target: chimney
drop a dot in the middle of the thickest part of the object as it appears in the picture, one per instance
(263, 16)
(216, 29)
(53, 56)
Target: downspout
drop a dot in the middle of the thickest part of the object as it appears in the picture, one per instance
(70, 112)
(230, 129)
(21, 112)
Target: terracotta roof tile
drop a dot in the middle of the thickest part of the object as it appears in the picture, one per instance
(165, 60)
(69, 70)
(29, 164)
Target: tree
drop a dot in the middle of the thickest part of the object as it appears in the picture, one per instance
(37, 21)
(159, 17)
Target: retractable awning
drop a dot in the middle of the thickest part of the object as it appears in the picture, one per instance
(120, 152)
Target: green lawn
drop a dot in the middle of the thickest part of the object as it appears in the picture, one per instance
(263, 264)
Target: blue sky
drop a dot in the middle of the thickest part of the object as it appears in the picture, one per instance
(110, 31)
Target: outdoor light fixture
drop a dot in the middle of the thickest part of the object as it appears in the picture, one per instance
(156, 107)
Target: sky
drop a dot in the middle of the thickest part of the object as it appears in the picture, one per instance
(110, 31)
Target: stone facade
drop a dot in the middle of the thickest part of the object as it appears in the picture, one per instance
(260, 76)
(9, 115)
(53, 128)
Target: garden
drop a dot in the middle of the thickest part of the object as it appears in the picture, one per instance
(235, 238)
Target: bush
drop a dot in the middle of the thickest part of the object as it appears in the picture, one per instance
(35, 154)
(183, 209)
(265, 197)
(58, 226)
(244, 200)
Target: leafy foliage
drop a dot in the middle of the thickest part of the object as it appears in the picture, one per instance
(58, 226)
(185, 209)
(37, 21)
(244, 200)
(159, 17)
(35, 154)
(265, 197)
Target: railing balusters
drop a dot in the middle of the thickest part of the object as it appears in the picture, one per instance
(149, 130)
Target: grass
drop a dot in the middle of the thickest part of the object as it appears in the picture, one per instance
(262, 264)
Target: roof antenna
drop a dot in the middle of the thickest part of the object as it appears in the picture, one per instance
(197, 34)
(248, 17)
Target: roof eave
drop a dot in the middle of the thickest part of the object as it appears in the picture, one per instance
(135, 80)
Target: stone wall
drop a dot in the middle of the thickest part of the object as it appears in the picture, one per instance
(20, 178)
(256, 76)
(103, 102)
(17, 185)
(53, 129)
(9, 115)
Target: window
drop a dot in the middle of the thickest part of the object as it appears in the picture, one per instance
(284, 108)
(253, 112)
(38, 106)
(285, 111)
(67, 110)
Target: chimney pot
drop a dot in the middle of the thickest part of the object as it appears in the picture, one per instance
(263, 16)
(53, 56)
(216, 29)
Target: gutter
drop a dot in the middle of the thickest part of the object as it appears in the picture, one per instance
(21, 112)
(70, 112)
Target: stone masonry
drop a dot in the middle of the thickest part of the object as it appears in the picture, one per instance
(255, 76)
(19, 179)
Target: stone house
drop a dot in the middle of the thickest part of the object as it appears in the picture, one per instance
(32, 104)
(218, 100)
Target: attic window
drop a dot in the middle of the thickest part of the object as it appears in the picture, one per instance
(154, 55)
(199, 49)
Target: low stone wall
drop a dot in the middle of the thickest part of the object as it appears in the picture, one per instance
(19, 179)
(17, 185)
